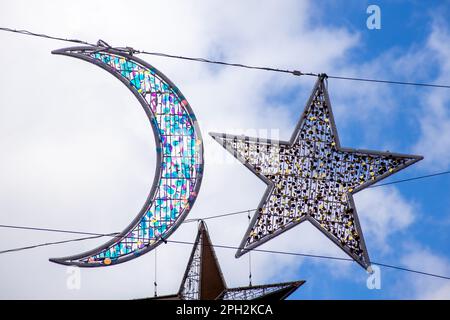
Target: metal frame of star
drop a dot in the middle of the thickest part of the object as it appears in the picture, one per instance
(311, 177)
(203, 278)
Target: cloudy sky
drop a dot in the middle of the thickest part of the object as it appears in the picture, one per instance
(77, 151)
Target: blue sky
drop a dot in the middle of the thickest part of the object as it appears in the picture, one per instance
(82, 155)
(406, 26)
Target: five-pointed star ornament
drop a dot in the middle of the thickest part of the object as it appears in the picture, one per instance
(203, 279)
(311, 177)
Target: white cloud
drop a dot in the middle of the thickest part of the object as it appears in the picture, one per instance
(77, 152)
(425, 287)
(383, 212)
(435, 117)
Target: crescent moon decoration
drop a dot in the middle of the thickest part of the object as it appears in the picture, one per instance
(179, 149)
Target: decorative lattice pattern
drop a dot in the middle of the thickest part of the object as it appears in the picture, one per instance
(190, 288)
(312, 178)
(250, 293)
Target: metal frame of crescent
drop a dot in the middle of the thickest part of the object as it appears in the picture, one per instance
(74, 52)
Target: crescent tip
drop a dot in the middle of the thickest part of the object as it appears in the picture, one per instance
(60, 261)
(71, 50)
(59, 51)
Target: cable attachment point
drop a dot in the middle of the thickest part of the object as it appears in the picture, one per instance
(101, 43)
(323, 76)
(131, 51)
(128, 50)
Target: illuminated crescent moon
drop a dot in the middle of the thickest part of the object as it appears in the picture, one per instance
(179, 149)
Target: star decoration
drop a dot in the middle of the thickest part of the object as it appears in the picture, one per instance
(311, 177)
(203, 279)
